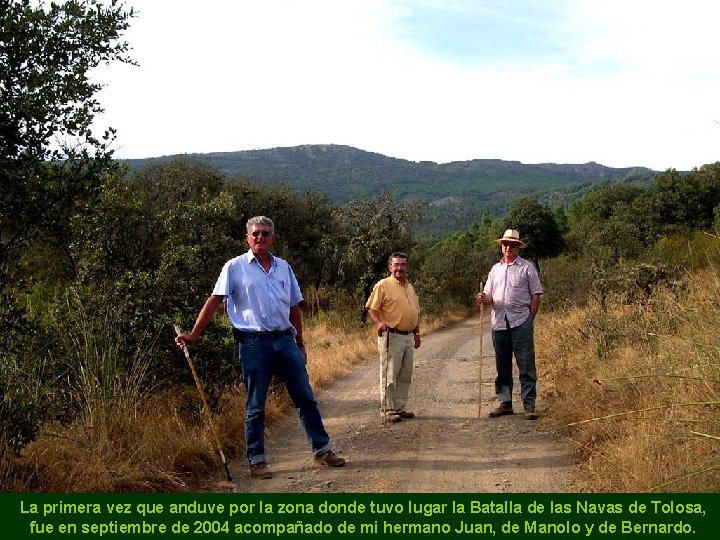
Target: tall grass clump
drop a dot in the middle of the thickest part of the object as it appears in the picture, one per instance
(108, 370)
(637, 386)
(107, 427)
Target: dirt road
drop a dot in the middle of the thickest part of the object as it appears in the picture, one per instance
(447, 448)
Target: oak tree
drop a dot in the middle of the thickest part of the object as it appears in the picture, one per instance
(49, 156)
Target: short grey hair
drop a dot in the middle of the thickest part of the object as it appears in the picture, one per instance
(397, 255)
(260, 220)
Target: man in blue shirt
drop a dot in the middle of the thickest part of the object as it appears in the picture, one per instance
(263, 298)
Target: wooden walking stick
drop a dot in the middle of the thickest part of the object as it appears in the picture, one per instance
(482, 315)
(383, 397)
(205, 407)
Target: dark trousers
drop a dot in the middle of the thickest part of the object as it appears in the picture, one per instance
(520, 342)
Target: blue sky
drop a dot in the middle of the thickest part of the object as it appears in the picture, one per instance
(619, 82)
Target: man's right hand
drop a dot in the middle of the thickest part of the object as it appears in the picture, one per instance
(183, 340)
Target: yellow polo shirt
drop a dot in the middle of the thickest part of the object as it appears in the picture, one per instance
(397, 304)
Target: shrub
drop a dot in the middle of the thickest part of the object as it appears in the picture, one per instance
(26, 374)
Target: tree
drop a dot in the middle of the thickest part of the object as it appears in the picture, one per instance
(538, 227)
(613, 222)
(452, 270)
(688, 200)
(46, 96)
(49, 161)
(365, 232)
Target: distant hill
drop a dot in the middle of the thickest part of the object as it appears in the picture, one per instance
(453, 194)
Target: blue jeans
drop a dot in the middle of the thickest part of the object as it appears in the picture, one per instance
(263, 355)
(519, 341)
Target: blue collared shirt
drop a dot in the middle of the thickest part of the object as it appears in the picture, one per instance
(258, 301)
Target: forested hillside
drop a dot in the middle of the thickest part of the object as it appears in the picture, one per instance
(451, 195)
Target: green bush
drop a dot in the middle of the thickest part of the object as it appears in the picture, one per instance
(691, 251)
(27, 376)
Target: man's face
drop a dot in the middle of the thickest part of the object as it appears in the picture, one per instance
(399, 268)
(260, 238)
(510, 250)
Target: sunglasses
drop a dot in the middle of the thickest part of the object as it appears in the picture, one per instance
(506, 244)
(264, 234)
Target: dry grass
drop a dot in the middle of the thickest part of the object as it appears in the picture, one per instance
(637, 388)
(162, 442)
(163, 446)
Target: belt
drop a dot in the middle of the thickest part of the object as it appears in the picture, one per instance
(401, 332)
(269, 333)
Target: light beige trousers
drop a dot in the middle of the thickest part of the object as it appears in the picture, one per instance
(396, 367)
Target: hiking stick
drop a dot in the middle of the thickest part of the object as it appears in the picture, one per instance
(205, 406)
(482, 314)
(383, 404)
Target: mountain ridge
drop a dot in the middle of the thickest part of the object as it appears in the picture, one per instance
(454, 193)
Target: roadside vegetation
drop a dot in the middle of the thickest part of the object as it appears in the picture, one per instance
(635, 383)
(97, 265)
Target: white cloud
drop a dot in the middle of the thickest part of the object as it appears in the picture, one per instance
(628, 83)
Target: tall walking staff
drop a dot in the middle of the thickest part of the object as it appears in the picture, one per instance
(205, 406)
(383, 396)
(482, 316)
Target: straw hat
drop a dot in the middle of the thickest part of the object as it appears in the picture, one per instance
(511, 235)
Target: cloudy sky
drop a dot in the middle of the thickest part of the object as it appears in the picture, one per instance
(619, 82)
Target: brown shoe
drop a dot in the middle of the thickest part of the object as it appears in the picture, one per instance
(330, 459)
(260, 471)
(531, 414)
(393, 417)
(406, 414)
(500, 411)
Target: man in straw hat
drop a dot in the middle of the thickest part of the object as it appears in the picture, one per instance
(513, 289)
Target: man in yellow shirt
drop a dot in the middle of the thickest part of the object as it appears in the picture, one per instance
(394, 308)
